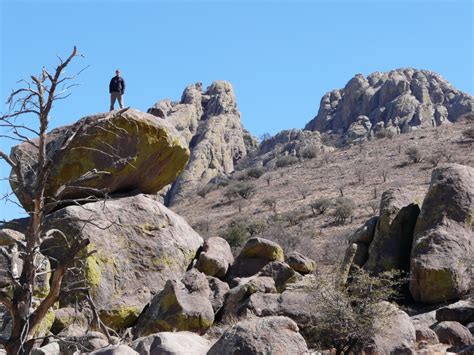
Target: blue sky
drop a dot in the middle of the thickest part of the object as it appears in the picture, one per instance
(280, 56)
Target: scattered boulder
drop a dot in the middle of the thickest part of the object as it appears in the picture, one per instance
(443, 237)
(219, 290)
(359, 130)
(215, 258)
(462, 312)
(280, 272)
(172, 343)
(125, 150)
(115, 350)
(397, 332)
(66, 317)
(10, 237)
(391, 246)
(300, 263)
(427, 335)
(453, 333)
(268, 335)
(139, 244)
(255, 254)
(181, 306)
(49, 349)
(83, 342)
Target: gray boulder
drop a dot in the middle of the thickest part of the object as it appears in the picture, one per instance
(172, 343)
(180, 306)
(219, 290)
(268, 335)
(300, 263)
(462, 312)
(453, 333)
(139, 243)
(281, 273)
(115, 350)
(427, 335)
(125, 150)
(443, 237)
(391, 246)
(215, 258)
(396, 100)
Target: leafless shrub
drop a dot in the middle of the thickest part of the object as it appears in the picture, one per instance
(293, 217)
(468, 133)
(285, 160)
(343, 209)
(268, 178)
(373, 207)
(320, 206)
(414, 154)
(309, 152)
(304, 191)
(271, 202)
(203, 190)
(340, 186)
(436, 158)
(385, 133)
(361, 173)
(255, 172)
(384, 175)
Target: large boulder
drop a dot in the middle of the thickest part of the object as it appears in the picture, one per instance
(443, 238)
(300, 263)
(255, 254)
(139, 244)
(396, 100)
(172, 343)
(115, 350)
(462, 312)
(268, 335)
(219, 290)
(122, 151)
(393, 237)
(215, 258)
(453, 333)
(180, 306)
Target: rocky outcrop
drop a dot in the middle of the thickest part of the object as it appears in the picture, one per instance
(395, 100)
(215, 258)
(139, 244)
(180, 306)
(210, 124)
(122, 151)
(393, 237)
(268, 335)
(172, 343)
(443, 237)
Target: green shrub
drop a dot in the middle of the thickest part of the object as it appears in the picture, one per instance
(343, 209)
(255, 172)
(285, 160)
(236, 233)
(320, 206)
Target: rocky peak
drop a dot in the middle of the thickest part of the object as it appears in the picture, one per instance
(210, 123)
(398, 100)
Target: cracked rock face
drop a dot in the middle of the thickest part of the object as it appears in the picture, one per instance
(398, 100)
(209, 121)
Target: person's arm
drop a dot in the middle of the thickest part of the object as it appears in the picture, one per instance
(110, 86)
(123, 86)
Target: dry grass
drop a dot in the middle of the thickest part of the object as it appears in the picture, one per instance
(383, 165)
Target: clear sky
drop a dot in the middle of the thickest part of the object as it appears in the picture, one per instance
(280, 56)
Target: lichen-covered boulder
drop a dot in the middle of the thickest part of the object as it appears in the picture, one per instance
(181, 306)
(443, 238)
(268, 335)
(255, 254)
(391, 245)
(66, 317)
(215, 258)
(121, 150)
(139, 244)
(172, 343)
(300, 263)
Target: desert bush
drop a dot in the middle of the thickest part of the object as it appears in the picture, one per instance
(343, 209)
(285, 160)
(201, 227)
(243, 189)
(436, 158)
(256, 226)
(361, 173)
(373, 207)
(304, 191)
(468, 133)
(255, 172)
(385, 133)
(320, 206)
(340, 186)
(309, 152)
(268, 178)
(348, 317)
(203, 190)
(414, 154)
(271, 202)
(384, 175)
(236, 233)
(293, 217)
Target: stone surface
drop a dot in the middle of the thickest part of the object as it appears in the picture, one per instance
(396, 100)
(139, 243)
(393, 236)
(209, 122)
(83, 342)
(453, 333)
(215, 258)
(427, 335)
(49, 349)
(398, 332)
(443, 237)
(219, 290)
(255, 254)
(180, 306)
(300, 263)
(280, 272)
(268, 335)
(115, 350)
(172, 343)
(10, 237)
(121, 150)
(462, 312)
(66, 317)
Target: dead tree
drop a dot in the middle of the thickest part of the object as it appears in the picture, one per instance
(35, 100)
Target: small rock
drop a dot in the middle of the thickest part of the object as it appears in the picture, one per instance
(301, 263)
(168, 343)
(215, 258)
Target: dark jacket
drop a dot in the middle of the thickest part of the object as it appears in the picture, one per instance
(117, 84)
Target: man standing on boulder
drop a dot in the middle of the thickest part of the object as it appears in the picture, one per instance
(116, 89)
